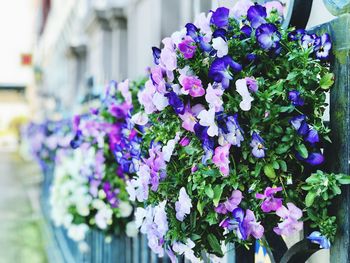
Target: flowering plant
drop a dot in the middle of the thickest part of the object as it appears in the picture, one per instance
(233, 144)
(108, 145)
(48, 140)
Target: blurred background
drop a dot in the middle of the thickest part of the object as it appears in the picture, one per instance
(56, 56)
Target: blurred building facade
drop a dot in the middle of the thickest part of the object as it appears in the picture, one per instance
(83, 44)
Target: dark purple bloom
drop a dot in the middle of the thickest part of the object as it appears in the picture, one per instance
(111, 194)
(268, 37)
(296, 34)
(193, 32)
(219, 70)
(175, 102)
(295, 98)
(246, 31)
(77, 140)
(256, 15)
(207, 141)
(312, 136)
(315, 159)
(220, 32)
(76, 122)
(156, 55)
(185, 141)
(299, 124)
(317, 238)
(220, 17)
(324, 46)
(188, 47)
(251, 57)
(258, 146)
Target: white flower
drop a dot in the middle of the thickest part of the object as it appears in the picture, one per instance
(242, 89)
(78, 232)
(177, 36)
(131, 229)
(168, 149)
(220, 46)
(103, 217)
(83, 247)
(183, 205)
(160, 101)
(125, 209)
(123, 87)
(140, 118)
(207, 119)
(187, 250)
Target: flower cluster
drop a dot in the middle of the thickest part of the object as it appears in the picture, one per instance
(232, 114)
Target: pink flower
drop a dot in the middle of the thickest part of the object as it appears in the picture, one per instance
(213, 97)
(290, 223)
(188, 47)
(191, 85)
(185, 141)
(221, 160)
(270, 203)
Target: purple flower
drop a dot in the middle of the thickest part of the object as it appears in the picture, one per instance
(184, 141)
(175, 102)
(270, 203)
(230, 131)
(120, 111)
(221, 158)
(308, 41)
(246, 31)
(192, 85)
(299, 124)
(157, 77)
(243, 225)
(324, 46)
(252, 84)
(231, 203)
(268, 37)
(188, 47)
(257, 144)
(193, 32)
(315, 159)
(183, 205)
(296, 34)
(317, 238)
(295, 98)
(312, 136)
(219, 70)
(256, 15)
(188, 119)
(207, 141)
(290, 223)
(220, 17)
(156, 55)
(214, 97)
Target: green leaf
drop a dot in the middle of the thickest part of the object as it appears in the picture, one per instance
(217, 194)
(310, 198)
(276, 165)
(301, 148)
(327, 81)
(336, 189)
(283, 165)
(215, 245)
(209, 191)
(200, 207)
(282, 148)
(345, 179)
(269, 171)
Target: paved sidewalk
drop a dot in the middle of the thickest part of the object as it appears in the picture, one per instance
(20, 221)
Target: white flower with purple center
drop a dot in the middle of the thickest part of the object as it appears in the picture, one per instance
(257, 144)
